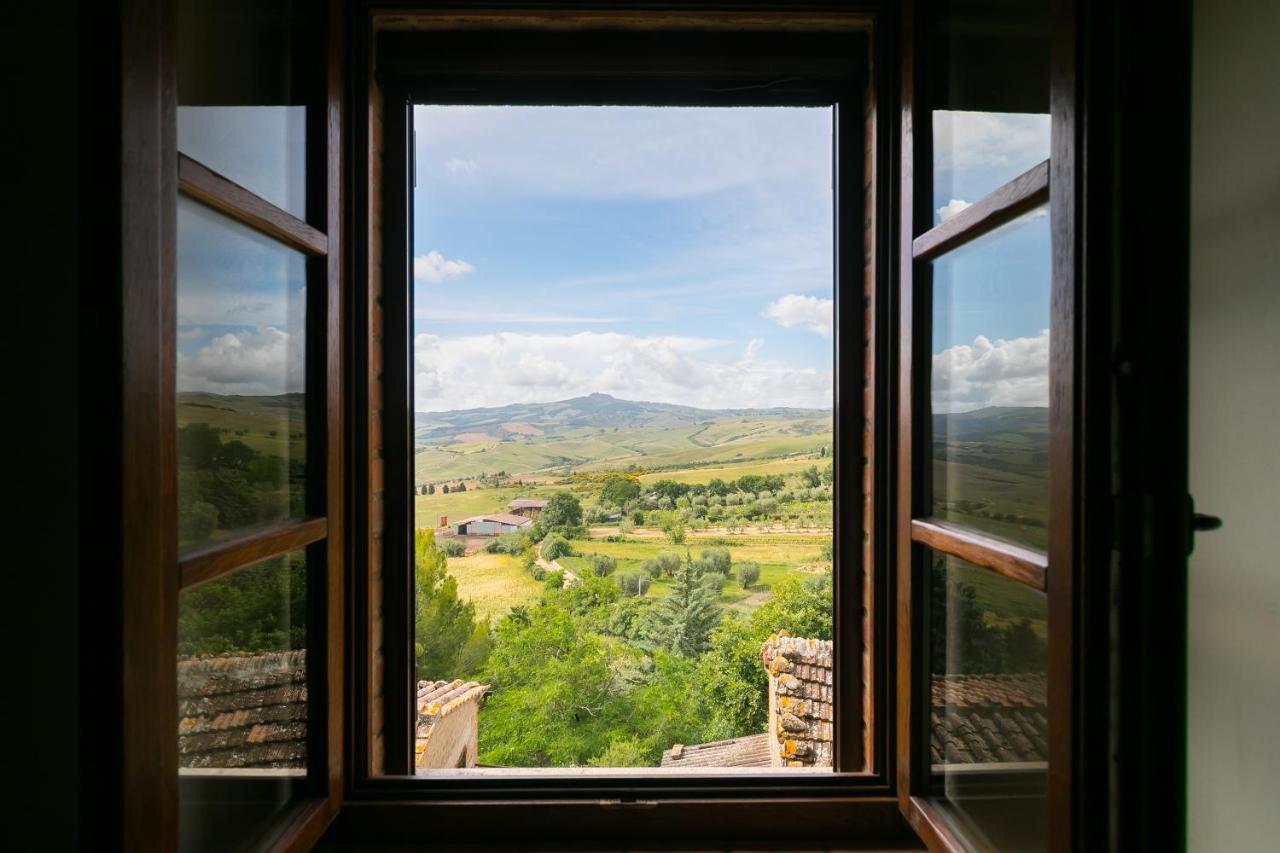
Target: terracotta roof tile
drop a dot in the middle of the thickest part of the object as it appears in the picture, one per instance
(985, 719)
(749, 751)
(243, 710)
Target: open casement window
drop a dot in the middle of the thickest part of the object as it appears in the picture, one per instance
(985, 413)
(709, 60)
(258, 428)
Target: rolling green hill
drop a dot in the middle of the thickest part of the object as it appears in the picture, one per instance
(599, 432)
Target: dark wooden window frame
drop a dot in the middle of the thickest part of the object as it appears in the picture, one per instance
(1054, 571)
(409, 70)
(150, 470)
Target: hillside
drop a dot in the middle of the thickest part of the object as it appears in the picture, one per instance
(600, 432)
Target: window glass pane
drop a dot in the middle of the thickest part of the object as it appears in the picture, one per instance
(990, 97)
(242, 703)
(242, 81)
(990, 382)
(988, 742)
(623, 384)
(241, 359)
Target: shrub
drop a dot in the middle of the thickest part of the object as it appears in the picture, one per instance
(717, 559)
(602, 565)
(537, 572)
(748, 573)
(555, 546)
(652, 567)
(828, 550)
(637, 518)
(452, 547)
(507, 543)
(633, 583)
(551, 580)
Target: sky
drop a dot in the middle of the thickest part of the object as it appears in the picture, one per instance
(676, 255)
(679, 255)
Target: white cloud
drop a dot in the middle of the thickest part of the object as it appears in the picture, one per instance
(968, 140)
(507, 367)
(458, 166)
(435, 312)
(264, 361)
(814, 314)
(992, 373)
(951, 208)
(434, 268)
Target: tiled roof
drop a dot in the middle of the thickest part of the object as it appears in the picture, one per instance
(803, 693)
(749, 751)
(438, 700)
(984, 719)
(502, 517)
(243, 710)
(526, 503)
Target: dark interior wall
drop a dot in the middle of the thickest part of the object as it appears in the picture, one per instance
(41, 323)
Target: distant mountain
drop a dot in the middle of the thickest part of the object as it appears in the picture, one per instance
(594, 411)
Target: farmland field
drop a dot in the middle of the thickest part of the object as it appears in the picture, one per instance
(494, 583)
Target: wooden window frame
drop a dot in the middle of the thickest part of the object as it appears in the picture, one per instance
(379, 760)
(157, 570)
(1054, 571)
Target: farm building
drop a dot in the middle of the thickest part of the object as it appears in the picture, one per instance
(528, 507)
(491, 525)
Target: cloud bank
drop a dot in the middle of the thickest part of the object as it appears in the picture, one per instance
(266, 360)
(508, 367)
(992, 373)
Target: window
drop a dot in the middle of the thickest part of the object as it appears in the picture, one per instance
(255, 438)
(623, 376)
(465, 265)
(983, 382)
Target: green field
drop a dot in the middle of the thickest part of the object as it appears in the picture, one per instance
(273, 426)
(494, 583)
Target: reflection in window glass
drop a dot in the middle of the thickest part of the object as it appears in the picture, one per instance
(990, 382)
(242, 703)
(242, 93)
(990, 97)
(623, 358)
(988, 708)
(241, 359)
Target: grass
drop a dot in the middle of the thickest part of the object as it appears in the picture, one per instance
(271, 425)
(494, 583)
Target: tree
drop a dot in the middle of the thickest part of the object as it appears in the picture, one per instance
(443, 624)
(461, 487)
(673, 526)
(562, 514)
(685, 618)
(602, 565)
(748, 573)
(557, 699)
(618, 489)
(444, 489)
(431, 489)
(633, 583)
(810, 477)
(800, 605)
(718, 559)
(263, 608)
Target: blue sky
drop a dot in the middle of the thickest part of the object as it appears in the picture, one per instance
(677, 255)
